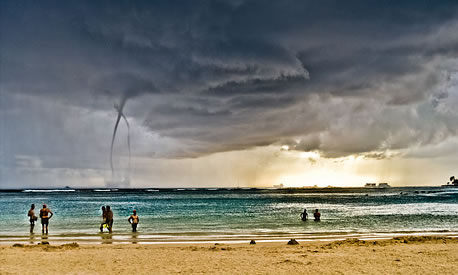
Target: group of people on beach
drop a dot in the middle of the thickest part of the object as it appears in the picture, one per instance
(316, 215)
(45, 215)
(107, 219)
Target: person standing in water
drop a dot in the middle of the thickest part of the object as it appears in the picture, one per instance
(304, 215)
(45, 216)
(32, 217)
(109, 219)
(317, 215)
(104, 218)
(134, 220)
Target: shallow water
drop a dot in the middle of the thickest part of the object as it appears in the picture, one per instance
(235, 215)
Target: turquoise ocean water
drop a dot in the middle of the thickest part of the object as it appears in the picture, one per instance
(232, 215)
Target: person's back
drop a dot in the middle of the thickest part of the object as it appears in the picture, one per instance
(44, 212)
(304, 215)
(317, 215)
(32, 217)
(109, 218)
(44, 215)
(31, 213)
(104, 218)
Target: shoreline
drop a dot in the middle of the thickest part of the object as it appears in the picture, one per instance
(186, 239)
(405, 255)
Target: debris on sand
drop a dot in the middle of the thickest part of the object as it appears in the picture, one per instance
(293, 242)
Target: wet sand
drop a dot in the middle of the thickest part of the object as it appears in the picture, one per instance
(406, 255)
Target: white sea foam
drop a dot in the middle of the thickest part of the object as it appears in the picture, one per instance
(47, 190)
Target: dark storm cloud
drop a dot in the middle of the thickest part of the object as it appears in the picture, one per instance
(124, 85)
(341, 77)
(281, 84)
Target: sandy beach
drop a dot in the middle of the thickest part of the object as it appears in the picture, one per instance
(406, 255)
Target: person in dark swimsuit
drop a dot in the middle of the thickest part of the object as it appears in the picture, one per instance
(317, 215)
(134, 220)
(304, 215)
(45, 215)
(32, 217)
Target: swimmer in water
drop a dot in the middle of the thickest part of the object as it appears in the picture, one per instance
(317, 215)
(45, 215)
(304, 215)
(134, 220)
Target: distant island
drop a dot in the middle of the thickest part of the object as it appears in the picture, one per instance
(452, 183)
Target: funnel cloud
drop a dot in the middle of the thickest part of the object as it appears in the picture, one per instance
(120, 114)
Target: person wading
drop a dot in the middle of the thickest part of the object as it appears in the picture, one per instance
(104, 218)
(109, 219)
(45, 215)
(304, 215)
(32, 217)
(134, 220)
(317, 215)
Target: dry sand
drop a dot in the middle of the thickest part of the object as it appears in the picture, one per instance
(409, 255)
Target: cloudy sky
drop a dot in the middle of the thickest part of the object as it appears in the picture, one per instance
(228, 92)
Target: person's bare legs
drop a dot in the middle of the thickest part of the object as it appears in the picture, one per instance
(44, 227)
